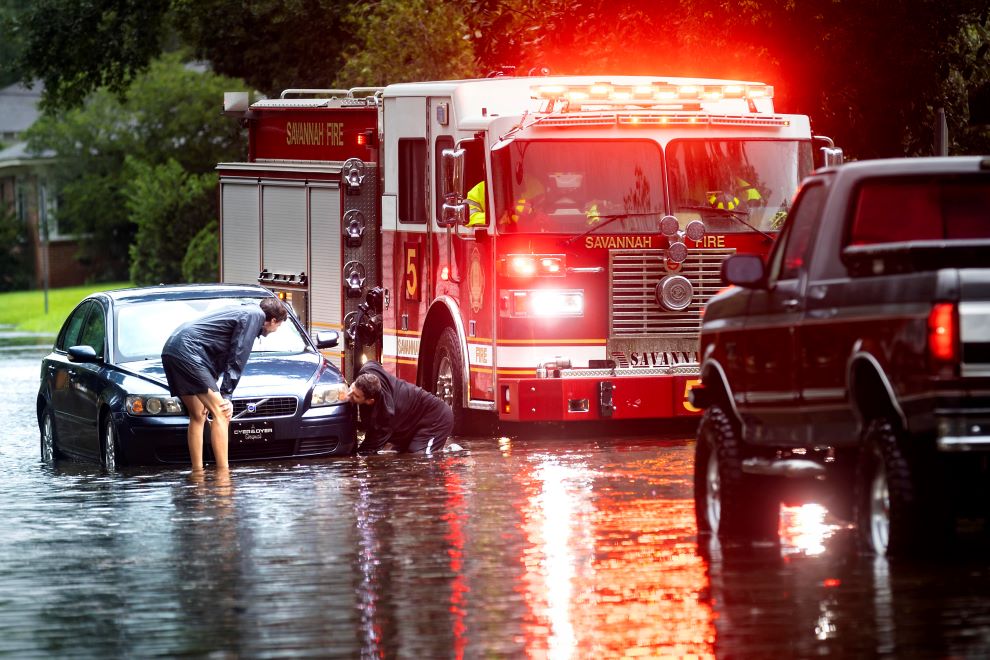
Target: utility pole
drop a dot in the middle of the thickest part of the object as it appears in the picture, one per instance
(43, 231)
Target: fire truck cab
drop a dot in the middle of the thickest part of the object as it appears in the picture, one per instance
(539, 248)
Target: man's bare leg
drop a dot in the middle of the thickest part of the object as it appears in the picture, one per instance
(194, 434)
(221, 412)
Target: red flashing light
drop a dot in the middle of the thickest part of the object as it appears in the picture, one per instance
(362, 139)
(943, 332)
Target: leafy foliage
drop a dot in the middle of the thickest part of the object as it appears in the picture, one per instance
(406, 40)
(201, 262)
(169, 114)
(77, 47)
(169, 206)
(15, 252)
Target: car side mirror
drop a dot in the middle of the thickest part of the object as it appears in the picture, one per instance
(327, 339)
(83, 354)
(745, 270)
(454, 210)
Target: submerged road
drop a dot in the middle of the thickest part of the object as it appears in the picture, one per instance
(520, 546)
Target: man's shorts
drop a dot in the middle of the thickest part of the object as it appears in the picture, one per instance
(187, 378)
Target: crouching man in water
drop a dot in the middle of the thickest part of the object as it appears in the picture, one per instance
(395, 411)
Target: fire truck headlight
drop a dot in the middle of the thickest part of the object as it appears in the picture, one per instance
(669, 225)
(674, 293)
(677, 252)
(534, 265)
(547, 303)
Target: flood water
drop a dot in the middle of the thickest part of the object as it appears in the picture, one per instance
(521, 546)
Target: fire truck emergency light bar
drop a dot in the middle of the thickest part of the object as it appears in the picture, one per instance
(650, 94)
(658, 119)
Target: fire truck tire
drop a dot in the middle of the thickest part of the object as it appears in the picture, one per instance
(447, 382)
(729, 503)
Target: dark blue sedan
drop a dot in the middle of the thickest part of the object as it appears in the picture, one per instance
(104, 397)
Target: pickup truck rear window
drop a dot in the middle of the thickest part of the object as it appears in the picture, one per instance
(894, 210)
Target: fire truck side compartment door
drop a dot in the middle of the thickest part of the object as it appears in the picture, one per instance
(240, 257)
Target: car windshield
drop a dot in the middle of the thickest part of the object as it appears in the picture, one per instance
(736, 185)
(143, 328)
(569, 187)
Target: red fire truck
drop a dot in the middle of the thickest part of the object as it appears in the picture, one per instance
(539, 248)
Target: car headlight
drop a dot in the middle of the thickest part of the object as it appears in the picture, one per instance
(329, 394)
(146, 406)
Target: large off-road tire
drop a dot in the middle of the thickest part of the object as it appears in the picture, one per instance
(446, 380)
(890, 516)
(49, 437)
(110, 455)
(734, 505)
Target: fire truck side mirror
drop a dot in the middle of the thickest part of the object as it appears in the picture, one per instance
(453, 173)
(454, 211)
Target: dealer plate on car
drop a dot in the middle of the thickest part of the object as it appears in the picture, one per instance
(253, 431)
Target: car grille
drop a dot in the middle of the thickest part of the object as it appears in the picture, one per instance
(634, 276)
(279, 406)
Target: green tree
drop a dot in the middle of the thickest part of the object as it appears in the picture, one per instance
(169, 206)
(406, 40)
(170, 113)
(201, 263)
(15, 252)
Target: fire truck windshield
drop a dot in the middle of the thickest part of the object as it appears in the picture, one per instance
(570, 187)
(735, 185)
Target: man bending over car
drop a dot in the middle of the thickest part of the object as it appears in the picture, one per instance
(195, 356)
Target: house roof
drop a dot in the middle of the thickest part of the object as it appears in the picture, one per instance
(19, 107)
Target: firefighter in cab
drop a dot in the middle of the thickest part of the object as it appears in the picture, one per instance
(743, 195)
(524, 207)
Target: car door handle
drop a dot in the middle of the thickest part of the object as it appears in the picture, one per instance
(790, 304)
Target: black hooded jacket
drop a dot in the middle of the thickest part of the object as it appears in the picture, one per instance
(399, 413)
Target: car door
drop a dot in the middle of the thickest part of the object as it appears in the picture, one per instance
(772, 400)
(89, 380)
(61, 374)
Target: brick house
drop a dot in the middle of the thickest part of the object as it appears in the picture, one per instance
(26, 189)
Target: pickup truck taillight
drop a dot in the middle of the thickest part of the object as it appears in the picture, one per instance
(943, 338)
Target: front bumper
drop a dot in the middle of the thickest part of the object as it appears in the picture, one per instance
(325, 431)
(594, 398)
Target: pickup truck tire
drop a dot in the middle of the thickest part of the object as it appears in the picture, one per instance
(889, 519)
(729, 503)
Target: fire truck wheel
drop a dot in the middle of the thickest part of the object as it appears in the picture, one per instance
(447, 370)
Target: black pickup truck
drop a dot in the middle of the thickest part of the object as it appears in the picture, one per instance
(855, 363)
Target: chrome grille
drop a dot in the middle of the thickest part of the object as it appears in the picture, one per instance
(276, 406)
(634, 275)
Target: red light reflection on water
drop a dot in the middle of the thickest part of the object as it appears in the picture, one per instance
(609, 571)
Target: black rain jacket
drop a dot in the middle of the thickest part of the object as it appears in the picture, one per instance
(220, 341)
(399, 413)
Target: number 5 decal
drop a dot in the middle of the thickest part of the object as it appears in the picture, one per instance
(412, 271)
(687, 388)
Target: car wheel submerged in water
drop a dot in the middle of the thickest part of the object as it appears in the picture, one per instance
(109, 445)
(728, 502)
(49, 449)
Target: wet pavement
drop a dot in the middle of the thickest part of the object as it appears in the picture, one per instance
(525, 546)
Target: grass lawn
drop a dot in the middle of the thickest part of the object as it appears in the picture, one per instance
(25, 310)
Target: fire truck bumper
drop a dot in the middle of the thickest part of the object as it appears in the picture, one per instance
(579, 399)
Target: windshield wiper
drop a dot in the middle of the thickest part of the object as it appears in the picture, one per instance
(609, 219)
(728, 213)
